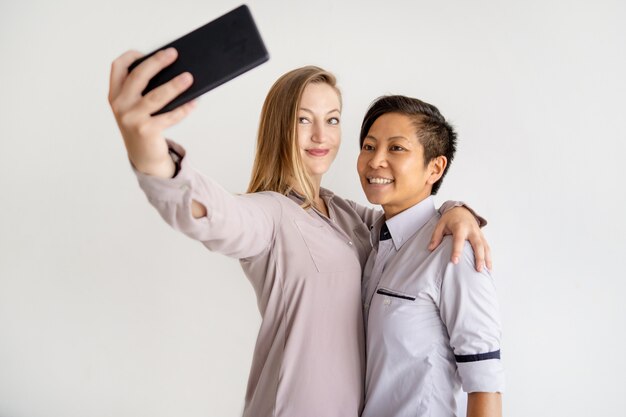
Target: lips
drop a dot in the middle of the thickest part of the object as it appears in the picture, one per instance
(317, 152)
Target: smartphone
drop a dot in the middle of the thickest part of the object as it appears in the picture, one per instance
(214, 54)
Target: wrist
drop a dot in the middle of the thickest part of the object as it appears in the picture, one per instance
(163, 167)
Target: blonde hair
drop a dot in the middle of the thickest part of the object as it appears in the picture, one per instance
(278, 164)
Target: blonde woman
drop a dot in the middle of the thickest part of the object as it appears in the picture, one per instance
(301, 247)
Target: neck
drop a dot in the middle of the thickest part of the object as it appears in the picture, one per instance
(316, 182)
(395, 209)
(318, 202)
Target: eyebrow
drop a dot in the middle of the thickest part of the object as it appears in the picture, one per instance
(312, 112)
(391, 138)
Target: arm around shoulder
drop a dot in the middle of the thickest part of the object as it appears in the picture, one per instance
(367, 214)
(463, 224)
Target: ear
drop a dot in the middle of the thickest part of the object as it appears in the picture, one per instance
(436, 166)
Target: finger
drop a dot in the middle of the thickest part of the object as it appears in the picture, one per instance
(139, 77)
(160, 96)
(437, 236)
(458, 241)
(476, 240)
(488, 259)
(170, 118)
(119, 72)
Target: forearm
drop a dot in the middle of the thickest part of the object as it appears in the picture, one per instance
(238, 226)
(484, 404)
(451, 204)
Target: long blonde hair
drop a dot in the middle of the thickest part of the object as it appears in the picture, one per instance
(278, 164)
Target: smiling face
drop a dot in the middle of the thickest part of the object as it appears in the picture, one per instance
(391, 165)
(318, 128)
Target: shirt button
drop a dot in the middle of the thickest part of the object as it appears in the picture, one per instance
(350, 243)
(387, 301)
(184, 187)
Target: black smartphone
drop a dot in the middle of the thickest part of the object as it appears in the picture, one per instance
(214, 54)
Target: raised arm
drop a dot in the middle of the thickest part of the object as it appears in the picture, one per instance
(237, 226)
(143, 133)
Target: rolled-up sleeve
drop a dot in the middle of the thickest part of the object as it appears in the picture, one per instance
(469, 308)
(240, 226)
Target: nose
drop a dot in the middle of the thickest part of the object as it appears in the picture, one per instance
(379, 158)
(318, 133)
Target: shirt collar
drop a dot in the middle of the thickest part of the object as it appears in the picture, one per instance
(405, 224)
(324, 193)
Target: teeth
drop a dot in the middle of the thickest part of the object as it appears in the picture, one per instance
(379, 181)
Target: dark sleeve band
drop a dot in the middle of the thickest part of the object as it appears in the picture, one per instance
(478, 357)
(176, 158)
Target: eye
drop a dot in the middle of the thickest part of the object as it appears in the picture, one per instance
(367, 147)
(303, 121)
(333, 121)
(396, 148)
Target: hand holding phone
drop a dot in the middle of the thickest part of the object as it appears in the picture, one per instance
(157, 93)
(214, 54)
(142, 132)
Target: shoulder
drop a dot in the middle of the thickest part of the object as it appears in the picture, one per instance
(280, 203)
(463, 276)
(444, 250)
(335, 199)
(442, 253)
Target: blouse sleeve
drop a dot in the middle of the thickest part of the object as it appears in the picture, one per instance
(239, 226)
(450, 204)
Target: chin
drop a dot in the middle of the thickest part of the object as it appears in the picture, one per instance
(319, 170)
(374, 198)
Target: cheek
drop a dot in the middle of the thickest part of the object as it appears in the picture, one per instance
(336, 138)
(413, 173)
(300, 137)
(361, 164)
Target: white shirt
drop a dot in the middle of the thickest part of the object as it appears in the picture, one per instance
(432, 327)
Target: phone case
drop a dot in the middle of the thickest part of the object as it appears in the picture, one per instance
(214, 54)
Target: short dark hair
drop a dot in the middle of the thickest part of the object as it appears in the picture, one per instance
(435, 134)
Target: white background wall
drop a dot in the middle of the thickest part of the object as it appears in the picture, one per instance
(105, 311)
